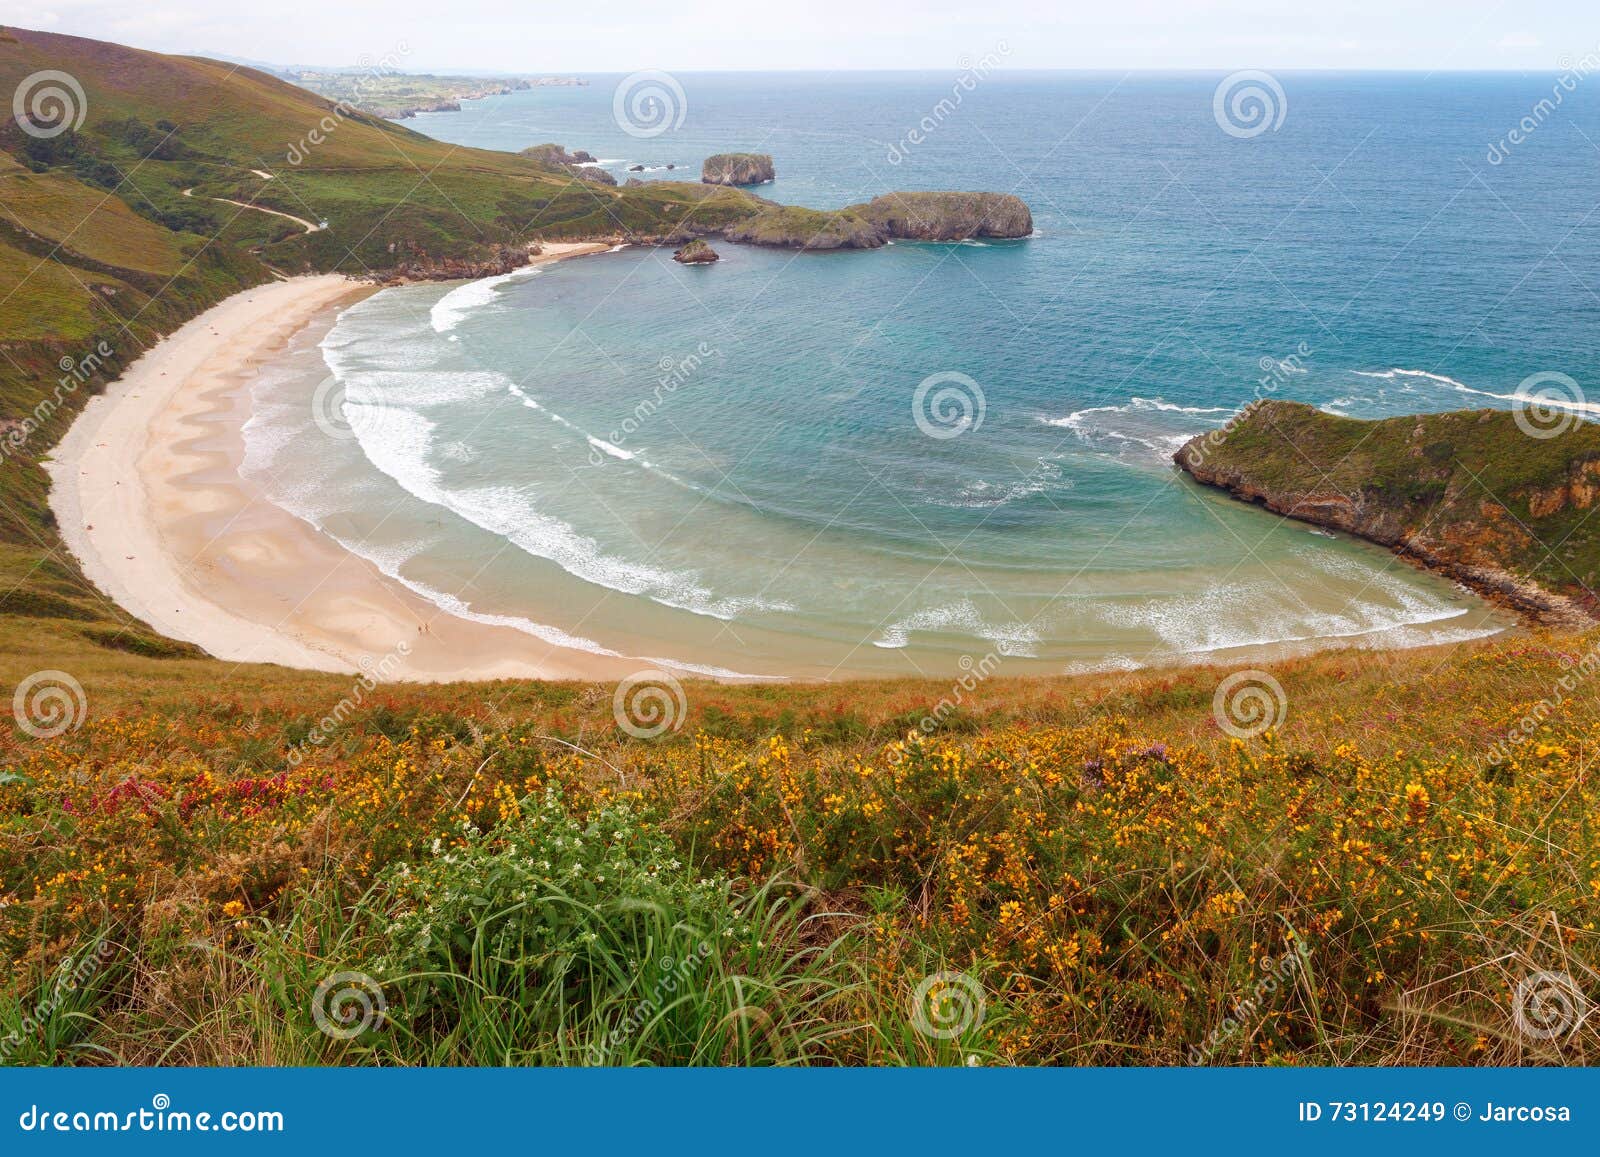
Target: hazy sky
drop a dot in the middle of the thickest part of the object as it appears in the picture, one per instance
(541, 36)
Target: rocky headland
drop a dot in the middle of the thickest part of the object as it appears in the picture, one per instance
(580, 164)
(1488, 498)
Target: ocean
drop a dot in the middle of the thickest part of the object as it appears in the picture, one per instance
(910, 460)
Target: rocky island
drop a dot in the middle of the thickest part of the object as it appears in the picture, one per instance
(738, 169)
(1471, 495)
(697, 252)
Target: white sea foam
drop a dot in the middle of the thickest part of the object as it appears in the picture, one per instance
(1018, 639)
(449, 310)
(1112, 662)
(981, 494)
(1576, 406)
(1264, 613)
(399, 447)
(605, 447)
(1144, 422)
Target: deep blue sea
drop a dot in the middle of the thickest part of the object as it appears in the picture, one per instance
(723, 467)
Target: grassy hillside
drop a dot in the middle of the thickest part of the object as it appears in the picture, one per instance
(1119, 880)
(1467, 490)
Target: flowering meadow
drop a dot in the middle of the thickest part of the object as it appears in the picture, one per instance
(1081, 871)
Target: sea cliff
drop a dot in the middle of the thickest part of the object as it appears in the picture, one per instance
(1487, 497)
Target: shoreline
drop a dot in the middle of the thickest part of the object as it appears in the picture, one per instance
(148, 494)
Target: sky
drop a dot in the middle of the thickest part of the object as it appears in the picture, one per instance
(539, 36)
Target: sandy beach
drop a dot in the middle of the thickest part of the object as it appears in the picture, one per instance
(149, 498)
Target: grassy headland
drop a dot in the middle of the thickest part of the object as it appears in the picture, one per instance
(1487, 496)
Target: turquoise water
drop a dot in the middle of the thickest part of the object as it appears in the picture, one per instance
(724, 467)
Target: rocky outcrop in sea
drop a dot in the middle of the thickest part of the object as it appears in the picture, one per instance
(737, 169)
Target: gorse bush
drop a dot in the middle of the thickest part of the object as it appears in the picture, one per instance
(1123, 885)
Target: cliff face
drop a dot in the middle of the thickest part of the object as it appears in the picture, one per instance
(908, 216)
(947, 216)
(737, 169)
(1469, 494)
